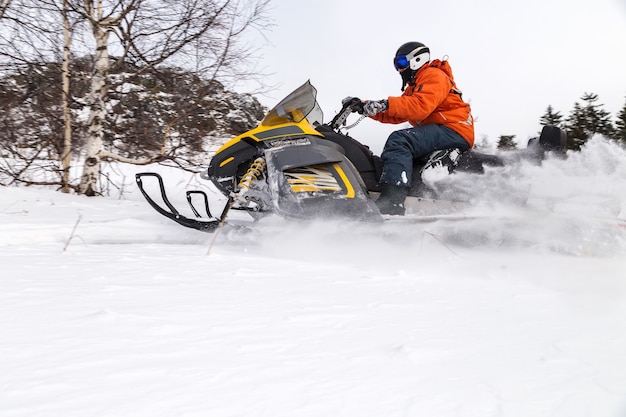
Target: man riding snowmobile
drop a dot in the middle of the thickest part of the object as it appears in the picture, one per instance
(433, 105)
(296, 166)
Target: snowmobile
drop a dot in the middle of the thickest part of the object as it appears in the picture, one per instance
(296, 166)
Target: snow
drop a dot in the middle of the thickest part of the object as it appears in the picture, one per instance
(108, 309)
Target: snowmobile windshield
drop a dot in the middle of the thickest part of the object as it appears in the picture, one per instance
(299, 105)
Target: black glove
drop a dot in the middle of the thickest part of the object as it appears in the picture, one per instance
(354, 103)
(348, 100)
(373, 107)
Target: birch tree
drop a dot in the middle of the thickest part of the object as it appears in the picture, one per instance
(66, 154)
(206, 33)
(29, 47)
(207, 36)
(100, 27)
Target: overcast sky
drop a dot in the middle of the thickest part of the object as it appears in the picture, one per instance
(511, 58)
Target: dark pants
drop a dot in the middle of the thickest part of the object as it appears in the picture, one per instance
(407, 145)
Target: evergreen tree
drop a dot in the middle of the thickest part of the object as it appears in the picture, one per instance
(507, 142)
(576, 128)
(584, 122)
(551, 118)
(620, 126)
(599, 119)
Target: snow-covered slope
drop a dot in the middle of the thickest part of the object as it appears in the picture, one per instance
(109, 309)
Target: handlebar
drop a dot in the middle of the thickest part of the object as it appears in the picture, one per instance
(354, 105)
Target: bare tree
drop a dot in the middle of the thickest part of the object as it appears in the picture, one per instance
(206, 36)
(29, 47)
(66, 155)
(4, 5)
(31, 30)
(100, 26)
(152, 32)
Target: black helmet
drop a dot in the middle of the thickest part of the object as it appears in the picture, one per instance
(409, 58)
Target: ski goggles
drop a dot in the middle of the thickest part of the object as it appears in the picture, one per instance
(402, 62)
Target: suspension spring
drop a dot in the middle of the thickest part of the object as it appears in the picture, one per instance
(252, 174)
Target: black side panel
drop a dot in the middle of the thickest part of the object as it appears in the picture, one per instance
(297, 156)
(368, 164)
(350, 200)
(226, 166)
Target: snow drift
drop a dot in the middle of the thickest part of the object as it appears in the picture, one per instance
(109, 309)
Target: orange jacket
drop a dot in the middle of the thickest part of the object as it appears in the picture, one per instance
(433, 98)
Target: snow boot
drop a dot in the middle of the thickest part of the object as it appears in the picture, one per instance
(391, 200)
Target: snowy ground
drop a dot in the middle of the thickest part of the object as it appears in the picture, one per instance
(131, 315)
